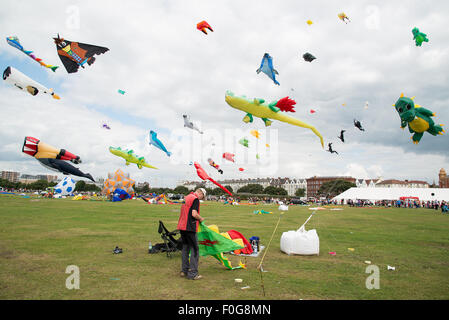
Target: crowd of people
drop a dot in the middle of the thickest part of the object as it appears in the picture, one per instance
(407, 203)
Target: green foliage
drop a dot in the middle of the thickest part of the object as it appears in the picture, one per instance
(251, 188)
(82, 186)
(300, 192)
(334, 188)
(145, 188)
(160, 190)
(181, 190)
(37, 185)
(275, 191)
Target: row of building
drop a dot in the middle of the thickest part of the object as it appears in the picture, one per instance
(27, 178)
(291, 185)
(313, 184)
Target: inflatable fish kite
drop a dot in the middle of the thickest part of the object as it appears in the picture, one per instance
(121, 91)
(189, 124)
(258, 108)
(266, 66)
(14, 42)
(308, 57)
(204, 176)
(23, 82)
(202, 27)
(130, 157)
(229, 156)
(255, 133)
(343, 17)
(419, 37)
(53, 158)
(417, 118)
(157, 143)
(76, 54)
(244, 142)
(213, 164)
(261, 211)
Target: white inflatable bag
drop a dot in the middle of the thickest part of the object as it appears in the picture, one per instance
(300, 242)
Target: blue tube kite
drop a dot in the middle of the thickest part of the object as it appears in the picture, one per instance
(14, 42)
(266, 66)
(157, 143)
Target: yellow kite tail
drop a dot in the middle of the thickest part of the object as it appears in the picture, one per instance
(299, 123)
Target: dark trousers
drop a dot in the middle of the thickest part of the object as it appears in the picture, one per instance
(190, 246)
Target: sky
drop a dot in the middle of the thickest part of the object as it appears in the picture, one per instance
(168, 68)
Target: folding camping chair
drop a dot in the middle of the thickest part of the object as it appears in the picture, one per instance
(170, 242)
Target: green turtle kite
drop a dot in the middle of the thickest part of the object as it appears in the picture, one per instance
(419, 37)
(417, 118)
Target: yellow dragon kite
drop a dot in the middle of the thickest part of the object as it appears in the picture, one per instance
(259, 109)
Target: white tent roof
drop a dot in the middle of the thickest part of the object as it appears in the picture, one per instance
(374, 194)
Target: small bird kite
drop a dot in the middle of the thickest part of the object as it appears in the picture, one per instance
(341, 137)
(308, 57)
(358, 125)
(330, 148)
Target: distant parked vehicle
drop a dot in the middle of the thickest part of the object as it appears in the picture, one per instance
(297, 201)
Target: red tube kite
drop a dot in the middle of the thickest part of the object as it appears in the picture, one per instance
(204, 176)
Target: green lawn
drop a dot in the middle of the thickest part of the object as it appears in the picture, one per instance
(39, 238)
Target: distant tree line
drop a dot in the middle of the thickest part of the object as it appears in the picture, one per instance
(255, 189)
(37, 185)
(328, 189)
(259, 189)
(82, 186)
(333, 188)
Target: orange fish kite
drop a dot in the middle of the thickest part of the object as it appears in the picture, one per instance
(203, 25)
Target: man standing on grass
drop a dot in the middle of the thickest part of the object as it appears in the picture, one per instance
(188, 225)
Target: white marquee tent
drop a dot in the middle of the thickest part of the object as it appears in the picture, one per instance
(376, 194)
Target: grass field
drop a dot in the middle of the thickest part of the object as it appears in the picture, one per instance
(39, 238)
